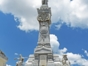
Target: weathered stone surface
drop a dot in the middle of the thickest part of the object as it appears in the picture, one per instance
(65, 61)
(3, 59)
(44, 2)
(44, 18)
(43, 55)
(20, 60)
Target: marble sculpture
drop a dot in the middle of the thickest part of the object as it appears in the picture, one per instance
(43, 54)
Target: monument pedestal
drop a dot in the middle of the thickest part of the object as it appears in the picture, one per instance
(44, 60)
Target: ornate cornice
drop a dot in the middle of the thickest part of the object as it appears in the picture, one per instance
(2, 55)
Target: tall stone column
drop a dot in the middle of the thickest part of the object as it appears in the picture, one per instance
(44, 19)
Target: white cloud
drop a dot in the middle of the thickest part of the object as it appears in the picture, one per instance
(24, 11)
(73, 58)
(54, 43)
(16, 53)
(77, 59)
(86, 52)
(62, 51)
(8, 65)
(72, 13)
(58, 26)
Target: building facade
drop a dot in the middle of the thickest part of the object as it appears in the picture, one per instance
(3, 59)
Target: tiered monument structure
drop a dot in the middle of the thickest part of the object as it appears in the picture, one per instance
(3, 59)
(43, 54)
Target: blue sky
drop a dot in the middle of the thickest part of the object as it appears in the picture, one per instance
(19, 29)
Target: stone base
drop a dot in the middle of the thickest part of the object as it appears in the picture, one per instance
(44, 60)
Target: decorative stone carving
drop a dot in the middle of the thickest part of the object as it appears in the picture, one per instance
(43, 55)
(20, 61)
(44, 15)
(65, 61)
(44, 18)
(2, 53)
(44, 33)
(44, 2)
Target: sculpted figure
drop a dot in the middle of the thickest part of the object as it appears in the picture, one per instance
(20, 61)
(44, 18)
(44, 32)
(65, 61)
(44, 2)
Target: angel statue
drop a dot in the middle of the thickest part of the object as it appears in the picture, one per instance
(65, 61)
(20, 60)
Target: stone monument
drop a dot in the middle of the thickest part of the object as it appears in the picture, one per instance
(43, 55)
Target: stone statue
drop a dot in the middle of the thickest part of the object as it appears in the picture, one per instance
(44, 33)
(20, 61)
(65, 61)
(44, 18)
(44, 2)
(43, 54)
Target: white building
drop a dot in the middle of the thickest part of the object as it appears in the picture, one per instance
(3, 59)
